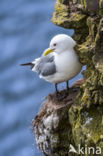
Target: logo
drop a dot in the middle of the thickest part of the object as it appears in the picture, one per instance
(84, 150)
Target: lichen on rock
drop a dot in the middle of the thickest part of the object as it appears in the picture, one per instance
(82, 121)
(90, 43)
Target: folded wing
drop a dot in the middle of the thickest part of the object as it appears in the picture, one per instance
(45, 66)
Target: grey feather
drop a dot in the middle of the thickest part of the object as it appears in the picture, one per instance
(46, 66)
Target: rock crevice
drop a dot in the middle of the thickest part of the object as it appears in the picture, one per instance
(79, 119)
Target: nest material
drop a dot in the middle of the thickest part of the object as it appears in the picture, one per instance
(53, 103)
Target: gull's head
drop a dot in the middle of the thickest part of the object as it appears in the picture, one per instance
(60, 43)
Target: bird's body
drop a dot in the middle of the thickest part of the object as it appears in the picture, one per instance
(66, 70)
(60, 62)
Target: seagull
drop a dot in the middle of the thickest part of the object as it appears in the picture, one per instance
(59, 63)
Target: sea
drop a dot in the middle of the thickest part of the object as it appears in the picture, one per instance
(25, 32)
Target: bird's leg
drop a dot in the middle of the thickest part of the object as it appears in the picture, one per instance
(67, 85)
(58, 95)
(56, 88)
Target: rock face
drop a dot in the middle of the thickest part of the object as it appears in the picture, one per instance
(78, 119)
(52, 126)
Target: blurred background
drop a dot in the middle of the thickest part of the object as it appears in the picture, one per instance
(25, 31)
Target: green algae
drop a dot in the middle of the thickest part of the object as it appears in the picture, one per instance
(86, 115)
(87, 128)
(101, 7)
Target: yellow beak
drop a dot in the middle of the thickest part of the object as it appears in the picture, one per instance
(48, 51)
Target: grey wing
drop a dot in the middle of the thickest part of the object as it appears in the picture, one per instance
(49, 69)
(46, 66)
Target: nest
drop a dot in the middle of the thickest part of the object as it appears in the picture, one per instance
(52, 103)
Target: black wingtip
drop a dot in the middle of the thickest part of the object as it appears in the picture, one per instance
(28, 64)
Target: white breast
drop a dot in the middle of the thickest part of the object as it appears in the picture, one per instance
(67, 66)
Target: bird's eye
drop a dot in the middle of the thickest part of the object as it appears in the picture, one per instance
(54, 44)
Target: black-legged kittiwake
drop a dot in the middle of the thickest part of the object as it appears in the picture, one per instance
(59, 63)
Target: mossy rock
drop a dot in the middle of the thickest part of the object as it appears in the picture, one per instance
(87, 126)
(83, 122)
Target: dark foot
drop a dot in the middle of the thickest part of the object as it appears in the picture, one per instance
(67, 85)
(61, 96)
